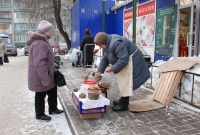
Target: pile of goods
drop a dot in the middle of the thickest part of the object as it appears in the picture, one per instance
(104, 84)
(93, 93)
(91, 76)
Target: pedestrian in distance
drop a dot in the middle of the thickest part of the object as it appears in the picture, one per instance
(127, 63)
(41, 68)
(87, 50)
(2, 51)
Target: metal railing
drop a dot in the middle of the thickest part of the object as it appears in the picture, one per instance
(180, 88)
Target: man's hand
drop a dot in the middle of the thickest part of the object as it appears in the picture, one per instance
(45, 84)
(97, 75)
(108, 69)
(95, 51)
(55, 64)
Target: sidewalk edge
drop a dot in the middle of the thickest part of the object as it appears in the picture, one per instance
(69, 120)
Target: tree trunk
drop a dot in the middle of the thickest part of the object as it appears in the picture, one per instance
(57, 10)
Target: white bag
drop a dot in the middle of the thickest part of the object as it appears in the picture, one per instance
(74, 56)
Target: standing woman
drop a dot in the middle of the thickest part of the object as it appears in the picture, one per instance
(87, 39)
(41, 70)
(127, 63)
(2, 51)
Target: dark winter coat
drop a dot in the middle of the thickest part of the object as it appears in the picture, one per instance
(88, 53)
(117, 52)
(40, 64)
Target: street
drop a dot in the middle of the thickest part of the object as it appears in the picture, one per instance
(17, 115)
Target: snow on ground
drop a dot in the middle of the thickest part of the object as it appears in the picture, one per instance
(58, 123)
(17, 115)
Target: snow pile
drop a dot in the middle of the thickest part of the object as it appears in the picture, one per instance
(186, 81)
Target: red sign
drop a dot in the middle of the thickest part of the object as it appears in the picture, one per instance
(128, 14)
(146, 9)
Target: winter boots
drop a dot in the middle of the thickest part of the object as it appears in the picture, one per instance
(121, 104)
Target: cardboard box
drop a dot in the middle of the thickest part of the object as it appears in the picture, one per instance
(90, 116)
(87, 113)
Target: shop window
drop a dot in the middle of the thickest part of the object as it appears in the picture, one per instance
(186, 2)
(55, 28)
(20, 37)
(19, 26)
(30, 27)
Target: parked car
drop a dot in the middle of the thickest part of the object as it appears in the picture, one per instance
(11, 49)
(62, 48)
(26, 50)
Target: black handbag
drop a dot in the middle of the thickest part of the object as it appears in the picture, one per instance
(59, 78)
(5, 58)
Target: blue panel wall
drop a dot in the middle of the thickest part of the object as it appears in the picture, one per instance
(164, 3)
(109, 18)
(75, 26)
(118, 22)
(90, 19)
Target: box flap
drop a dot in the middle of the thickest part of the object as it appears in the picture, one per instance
(177, 64)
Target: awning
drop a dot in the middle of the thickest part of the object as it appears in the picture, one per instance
(20, 43)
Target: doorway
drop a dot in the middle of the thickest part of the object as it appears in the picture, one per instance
(188, 34)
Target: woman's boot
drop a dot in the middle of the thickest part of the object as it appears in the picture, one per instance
(123, 105)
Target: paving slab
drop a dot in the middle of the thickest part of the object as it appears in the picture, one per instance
(172, 120)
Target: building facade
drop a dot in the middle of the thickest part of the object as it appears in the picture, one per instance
(17, 18)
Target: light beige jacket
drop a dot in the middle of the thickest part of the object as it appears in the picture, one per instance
(2, 49)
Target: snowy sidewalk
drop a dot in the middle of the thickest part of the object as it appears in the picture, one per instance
(17, 115)
(172, 120)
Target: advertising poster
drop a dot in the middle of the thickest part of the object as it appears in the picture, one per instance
(145, 25)
(128, 23)
(165, 30)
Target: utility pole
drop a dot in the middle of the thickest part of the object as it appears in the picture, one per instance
(12, 16)
(103, 15)
(134, 21)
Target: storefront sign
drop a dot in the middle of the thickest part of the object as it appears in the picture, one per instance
(145, 25)
(165, 30)
(128, 23)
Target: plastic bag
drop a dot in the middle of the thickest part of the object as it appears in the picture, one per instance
(105, 81)
(74, 55)
(20, 52)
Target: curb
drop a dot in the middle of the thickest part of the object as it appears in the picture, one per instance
(69, 120)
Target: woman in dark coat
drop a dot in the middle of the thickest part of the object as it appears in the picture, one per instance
(41, 70)
(88, 50)
(127, 62)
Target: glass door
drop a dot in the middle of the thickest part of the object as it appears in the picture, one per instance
(187, 37)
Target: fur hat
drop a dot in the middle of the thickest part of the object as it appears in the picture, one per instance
(101, 38)
(45, 26)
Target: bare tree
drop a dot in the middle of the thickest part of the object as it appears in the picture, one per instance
(31, 9)
(60, 9)
(58, 6)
